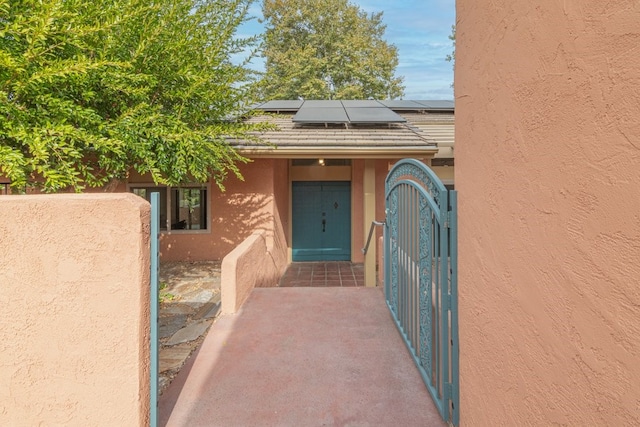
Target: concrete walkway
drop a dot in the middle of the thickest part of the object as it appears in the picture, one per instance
(302, 357)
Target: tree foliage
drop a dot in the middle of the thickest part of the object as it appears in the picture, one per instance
(452, 57)
(452, 37)
(327, 49)
(91, 89)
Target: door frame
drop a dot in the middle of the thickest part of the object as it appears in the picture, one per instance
(319, 173)
(323, 246)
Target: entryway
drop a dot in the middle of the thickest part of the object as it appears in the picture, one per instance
(323, 274)
(321, 222)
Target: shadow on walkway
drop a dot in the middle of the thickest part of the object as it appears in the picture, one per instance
(302, 357)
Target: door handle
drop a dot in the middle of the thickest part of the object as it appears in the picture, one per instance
(324, 223)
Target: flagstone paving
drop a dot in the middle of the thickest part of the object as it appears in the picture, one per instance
(190, 300)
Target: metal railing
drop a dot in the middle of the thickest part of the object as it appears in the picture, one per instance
(374, 224)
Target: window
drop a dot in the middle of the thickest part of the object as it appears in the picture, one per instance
(186, 207)
(189, 209)
(5, 188)
(145, 193)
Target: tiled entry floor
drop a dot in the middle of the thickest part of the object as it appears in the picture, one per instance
(323, 274)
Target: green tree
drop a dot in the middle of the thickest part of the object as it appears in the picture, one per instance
(90, 89)
(327, 49)
(452, 57)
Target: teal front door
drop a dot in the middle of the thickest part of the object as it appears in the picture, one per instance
(321, 221)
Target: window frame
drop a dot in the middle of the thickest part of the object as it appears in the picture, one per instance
(169, 208)
(176, 209)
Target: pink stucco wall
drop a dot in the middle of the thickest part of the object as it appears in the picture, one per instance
(250, 265)
(277, 241)
(357, 209)
(74, 281)
(244, 207)
(261, 258)
(548, 173)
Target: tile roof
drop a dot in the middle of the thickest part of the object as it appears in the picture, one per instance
(438, 127)
(421, 135)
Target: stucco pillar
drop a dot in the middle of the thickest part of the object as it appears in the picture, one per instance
(74, 275)
(369, 184)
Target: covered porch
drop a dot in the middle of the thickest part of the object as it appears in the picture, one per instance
(302, 356)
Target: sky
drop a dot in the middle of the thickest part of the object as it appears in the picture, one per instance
(419, 29)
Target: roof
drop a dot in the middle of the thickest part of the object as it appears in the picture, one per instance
(438, 127)
(417, 131)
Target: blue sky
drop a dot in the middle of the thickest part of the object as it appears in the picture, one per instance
(420, 30)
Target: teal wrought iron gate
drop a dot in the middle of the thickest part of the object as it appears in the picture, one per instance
(153, 321)
(420, 240)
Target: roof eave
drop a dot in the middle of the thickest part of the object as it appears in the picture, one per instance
(338, 152)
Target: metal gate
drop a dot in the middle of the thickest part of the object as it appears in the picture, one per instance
(420, 239)
(153, 321)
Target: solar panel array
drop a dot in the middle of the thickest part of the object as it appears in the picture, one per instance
(401, 105)
(373, 115)
(321, 115)
(437, 105)
(280, 105)
(352, 111)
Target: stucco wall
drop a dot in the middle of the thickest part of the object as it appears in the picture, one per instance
(548, 173)
(74, 282)
(357, 210)
(278, 245)
(245, 206)
(250, 265)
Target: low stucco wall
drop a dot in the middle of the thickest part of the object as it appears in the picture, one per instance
(250, 265)
(547, 168)
(74, 275)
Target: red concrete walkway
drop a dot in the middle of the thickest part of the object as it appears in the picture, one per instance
(302, 357)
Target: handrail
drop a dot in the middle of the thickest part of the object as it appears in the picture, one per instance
(373, 224)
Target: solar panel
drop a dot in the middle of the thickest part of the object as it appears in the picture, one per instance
(321, 115)
(281, 105)
(437, 104)
(326, 103)
(362, 103)
(373, 115)
(365, 111)
(402, 105)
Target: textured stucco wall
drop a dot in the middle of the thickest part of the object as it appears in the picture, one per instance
(548, 173)
(248, 266)
(245, 206)
(278, 244)
(357, 210)
(74, 280)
